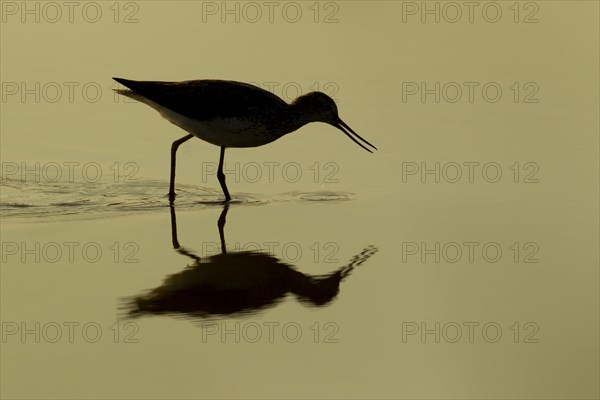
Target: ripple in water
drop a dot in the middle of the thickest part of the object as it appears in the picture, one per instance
(327, 196)
(62, 200)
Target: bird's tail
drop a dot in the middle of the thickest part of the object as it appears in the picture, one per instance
(128, 93)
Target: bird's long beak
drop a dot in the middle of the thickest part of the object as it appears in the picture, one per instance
(342, 126)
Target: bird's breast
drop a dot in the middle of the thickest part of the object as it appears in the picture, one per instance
(226, 132)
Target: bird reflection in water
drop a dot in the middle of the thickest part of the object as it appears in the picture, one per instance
(237, 283)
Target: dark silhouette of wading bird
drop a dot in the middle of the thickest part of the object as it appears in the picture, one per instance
(232, 284)
(232, 114)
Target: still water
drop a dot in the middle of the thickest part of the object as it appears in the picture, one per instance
(458, 261)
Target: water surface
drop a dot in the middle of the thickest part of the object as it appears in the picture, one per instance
(458, 261)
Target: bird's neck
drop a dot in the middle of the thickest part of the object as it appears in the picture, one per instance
(299, 115)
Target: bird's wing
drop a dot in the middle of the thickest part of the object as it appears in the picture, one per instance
(207, 99)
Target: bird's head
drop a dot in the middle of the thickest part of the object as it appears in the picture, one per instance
(318, 107)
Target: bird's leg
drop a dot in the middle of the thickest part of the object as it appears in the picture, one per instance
(221, 176)
(174, 239)
(176, 246)
(221, 225)
(174, 147)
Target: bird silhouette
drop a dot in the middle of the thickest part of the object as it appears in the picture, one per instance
(232, 114)
(236, 283)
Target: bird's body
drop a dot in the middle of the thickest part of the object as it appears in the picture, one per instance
(224, 113)
(231, 114)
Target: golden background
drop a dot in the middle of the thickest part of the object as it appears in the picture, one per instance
(368, 55)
